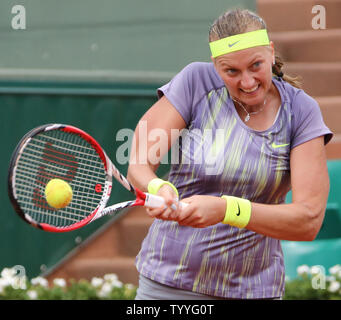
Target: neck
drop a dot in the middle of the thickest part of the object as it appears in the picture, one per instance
(247, 113)
(249, 108)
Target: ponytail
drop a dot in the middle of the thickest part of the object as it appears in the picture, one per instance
(277, 71)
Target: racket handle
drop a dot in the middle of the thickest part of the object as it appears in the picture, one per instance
(154, 201)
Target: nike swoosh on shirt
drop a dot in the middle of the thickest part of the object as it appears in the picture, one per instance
(275, 146)
(232, 44)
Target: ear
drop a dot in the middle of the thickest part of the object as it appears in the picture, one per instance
(272, 47)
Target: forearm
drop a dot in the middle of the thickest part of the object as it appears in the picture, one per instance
(145, 158)
(295, 221)
(140, 174)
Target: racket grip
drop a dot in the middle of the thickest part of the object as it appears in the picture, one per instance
(154, 201)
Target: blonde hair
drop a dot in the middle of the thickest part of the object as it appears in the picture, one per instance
(239, 21)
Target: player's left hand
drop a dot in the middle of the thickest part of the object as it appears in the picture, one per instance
(202, 211)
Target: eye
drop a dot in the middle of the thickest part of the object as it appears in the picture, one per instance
(231, 72)
(257, 64)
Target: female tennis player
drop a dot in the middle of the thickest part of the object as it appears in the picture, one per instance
(251, 134)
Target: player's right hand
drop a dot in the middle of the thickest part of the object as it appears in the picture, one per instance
(170, 210)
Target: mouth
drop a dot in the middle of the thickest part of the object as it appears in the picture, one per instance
(251, 91)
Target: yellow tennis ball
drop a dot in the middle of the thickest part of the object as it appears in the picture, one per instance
(58, 193)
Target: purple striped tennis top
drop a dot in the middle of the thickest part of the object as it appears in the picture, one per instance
(218, 154)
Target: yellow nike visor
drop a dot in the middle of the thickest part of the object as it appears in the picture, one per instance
(239, 42)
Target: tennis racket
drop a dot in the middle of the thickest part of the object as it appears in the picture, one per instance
(68, 153)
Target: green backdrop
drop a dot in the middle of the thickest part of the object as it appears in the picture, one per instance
(109, 35)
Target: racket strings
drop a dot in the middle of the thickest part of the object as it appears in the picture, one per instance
(54, 154)
(55, 171)
(64, 155)
(76, 195)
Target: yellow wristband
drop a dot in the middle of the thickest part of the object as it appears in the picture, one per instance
(238, 211)
(155, 184)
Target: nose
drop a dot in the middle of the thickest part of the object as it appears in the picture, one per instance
(247, 81)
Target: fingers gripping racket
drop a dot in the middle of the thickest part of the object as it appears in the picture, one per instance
(68, 153)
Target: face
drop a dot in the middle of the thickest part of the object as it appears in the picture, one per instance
(247, 73)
